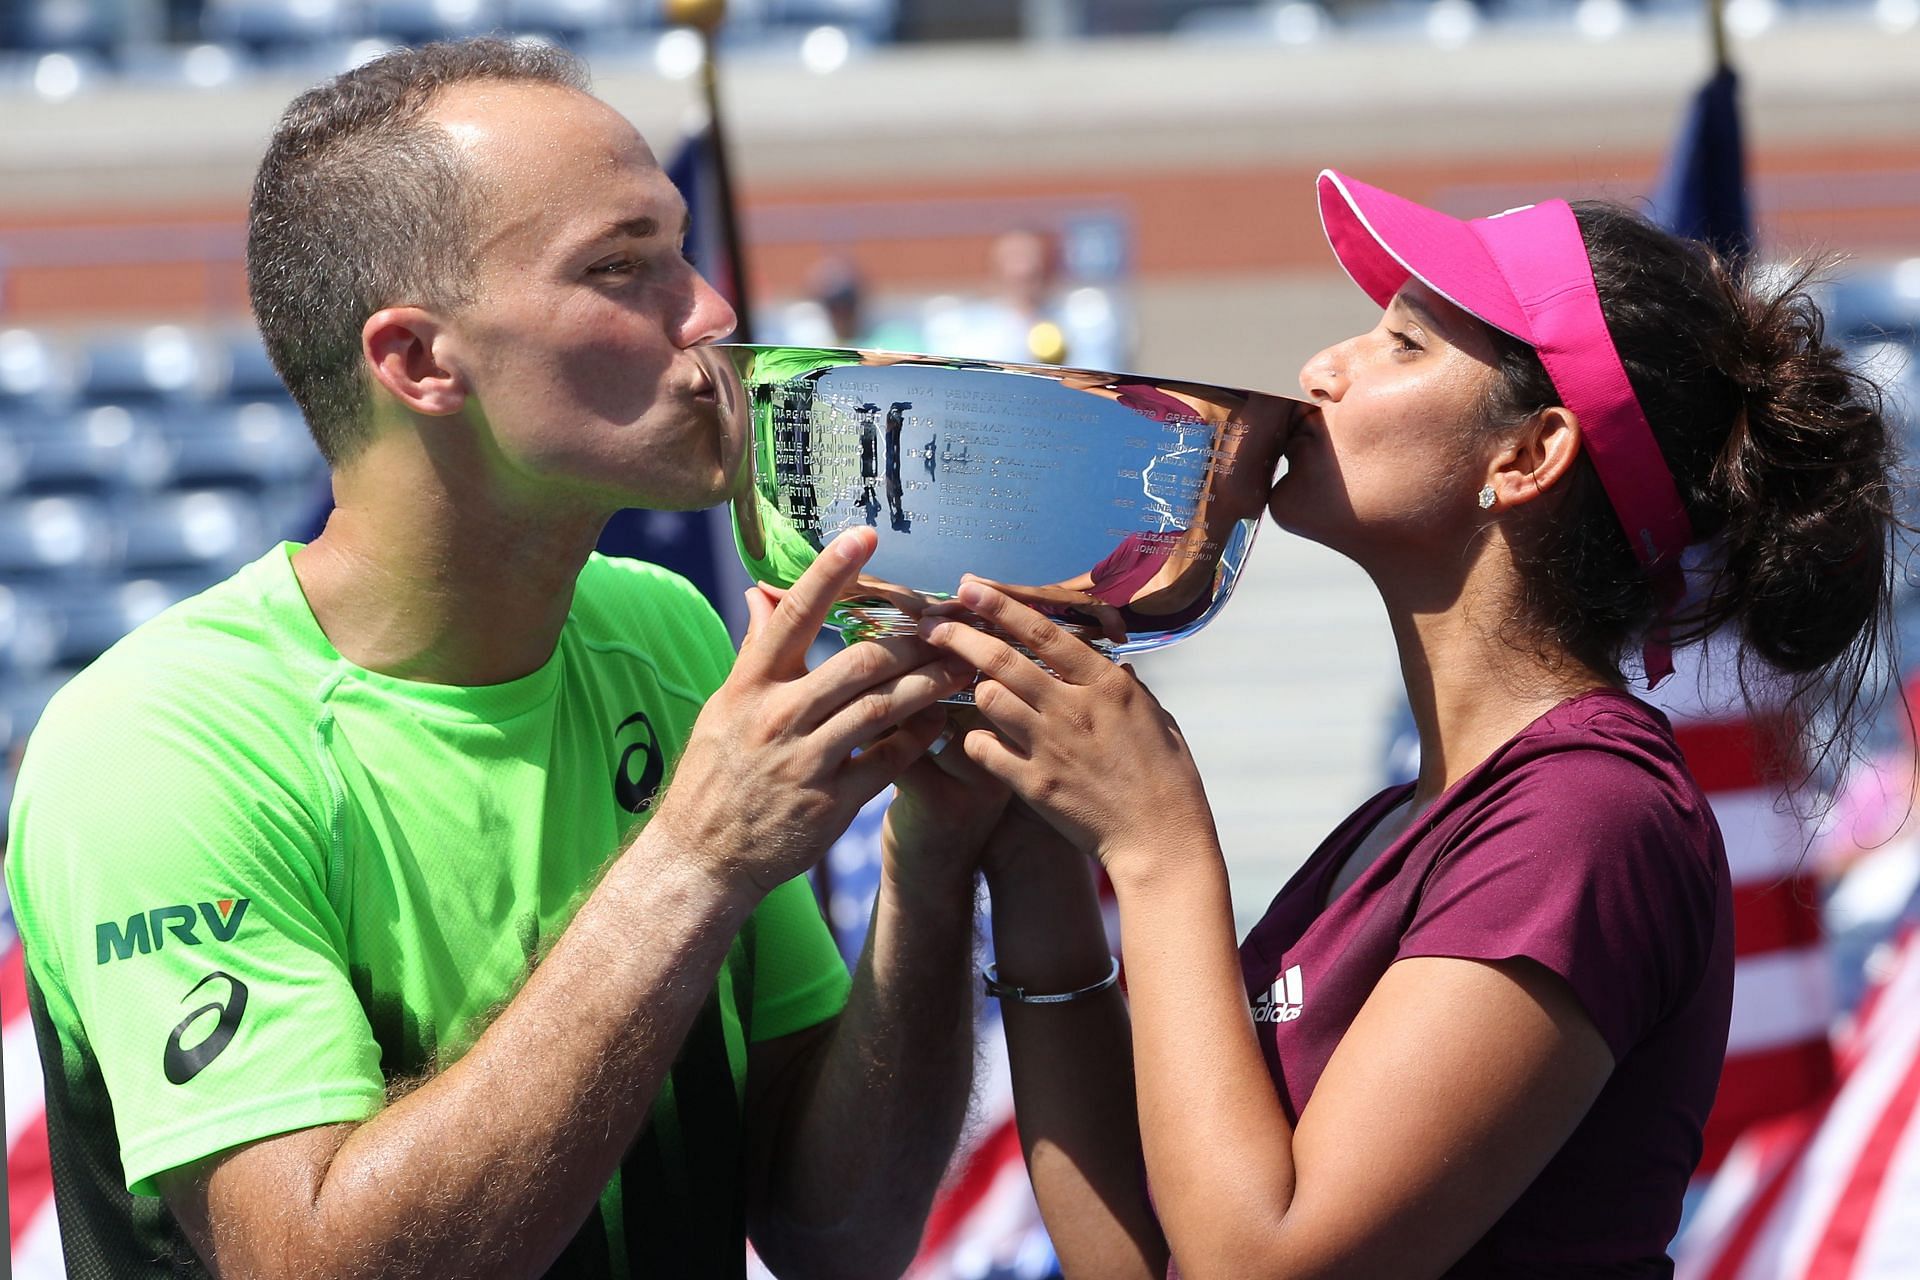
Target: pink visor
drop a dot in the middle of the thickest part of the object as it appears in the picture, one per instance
(1526, 273)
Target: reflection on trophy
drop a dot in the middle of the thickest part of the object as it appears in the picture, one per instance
(1121, 506)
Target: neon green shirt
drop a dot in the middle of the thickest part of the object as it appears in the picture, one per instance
(256, 884)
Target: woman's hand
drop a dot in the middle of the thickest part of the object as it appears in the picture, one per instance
(1088, 748)
(1060, 601)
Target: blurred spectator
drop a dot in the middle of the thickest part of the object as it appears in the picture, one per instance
(1030, 316)
(835, 314)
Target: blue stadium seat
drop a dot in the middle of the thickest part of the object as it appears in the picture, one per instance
(249, 374)
(47, 537)
(873, 18)
(29, 633)
(13, 455)
(35, 375)
(94, 25)
(418, 21)
(209, 530)
(207, 65)
(161, 364)
(92, 616)
(100, 450)
(1876, 307)
(570, 21)
(259, 445)
(262, 25)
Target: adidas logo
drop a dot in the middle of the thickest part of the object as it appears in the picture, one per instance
(1281, 1002)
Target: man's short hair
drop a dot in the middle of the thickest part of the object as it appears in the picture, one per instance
(363, 203)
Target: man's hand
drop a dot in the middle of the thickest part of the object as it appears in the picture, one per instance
(782, 758)
(939, 822)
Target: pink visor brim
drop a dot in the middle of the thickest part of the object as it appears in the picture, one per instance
(1526, 273)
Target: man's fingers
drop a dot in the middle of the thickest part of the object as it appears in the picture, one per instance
(884, 761)
(995, 758)
(890, 702)
(853, 671)
(760, 604)
(783, 640)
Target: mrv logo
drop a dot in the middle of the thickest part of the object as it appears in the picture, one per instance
(1280, 1003)
(149, 930)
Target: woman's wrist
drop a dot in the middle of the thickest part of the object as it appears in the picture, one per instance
(1139, 865)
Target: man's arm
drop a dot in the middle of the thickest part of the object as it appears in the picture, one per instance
(856, 1120)
(489, 1167)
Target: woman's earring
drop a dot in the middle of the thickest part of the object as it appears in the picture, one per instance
(1486, 498)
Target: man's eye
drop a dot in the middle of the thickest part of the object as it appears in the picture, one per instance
(620, 266)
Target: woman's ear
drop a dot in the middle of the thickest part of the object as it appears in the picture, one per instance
(1539, 456)
(403, 347)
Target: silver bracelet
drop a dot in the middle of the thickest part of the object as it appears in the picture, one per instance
(1020, 995)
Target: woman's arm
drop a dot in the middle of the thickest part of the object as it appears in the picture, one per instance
(1072, 1063)
(1452, 1089)
(1456, 1083)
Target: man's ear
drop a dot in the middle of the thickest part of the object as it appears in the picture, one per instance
(405, 349)
(1540, 456)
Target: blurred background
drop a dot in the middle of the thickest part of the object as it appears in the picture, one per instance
(1124, 184)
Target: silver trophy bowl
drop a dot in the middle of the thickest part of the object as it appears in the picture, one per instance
(1121, 506)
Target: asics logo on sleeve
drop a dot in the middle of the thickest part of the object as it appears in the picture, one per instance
(147, 931)
(181, 1063)
(637, 780)
(1281, 1002)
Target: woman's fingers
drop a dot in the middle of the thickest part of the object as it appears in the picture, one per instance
(992, 657)
(1069, 657)
(995, 757)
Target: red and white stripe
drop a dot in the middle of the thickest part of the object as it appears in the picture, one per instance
(33, 1233)
(1779, 1056)
(1831, 1192)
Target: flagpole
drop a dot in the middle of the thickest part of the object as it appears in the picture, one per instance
(1717, 27)
(705, 16)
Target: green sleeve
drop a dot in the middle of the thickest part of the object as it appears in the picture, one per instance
(799, 978)
(169, 861)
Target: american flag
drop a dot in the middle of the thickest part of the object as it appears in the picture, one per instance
(1832, 1191)
(1779, 1057)
(33, 1234)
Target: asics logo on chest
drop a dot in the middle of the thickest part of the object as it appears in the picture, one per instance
(640, 767)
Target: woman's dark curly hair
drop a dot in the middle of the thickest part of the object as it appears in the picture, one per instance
(1785, 463)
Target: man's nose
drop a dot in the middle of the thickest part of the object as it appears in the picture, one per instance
(710, 319)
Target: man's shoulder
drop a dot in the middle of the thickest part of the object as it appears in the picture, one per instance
(630, 602)
(217, 665)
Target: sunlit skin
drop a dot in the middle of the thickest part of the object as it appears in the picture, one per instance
(1376, 469)
(507, 430)
(579, 345)
(1459, 1079)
